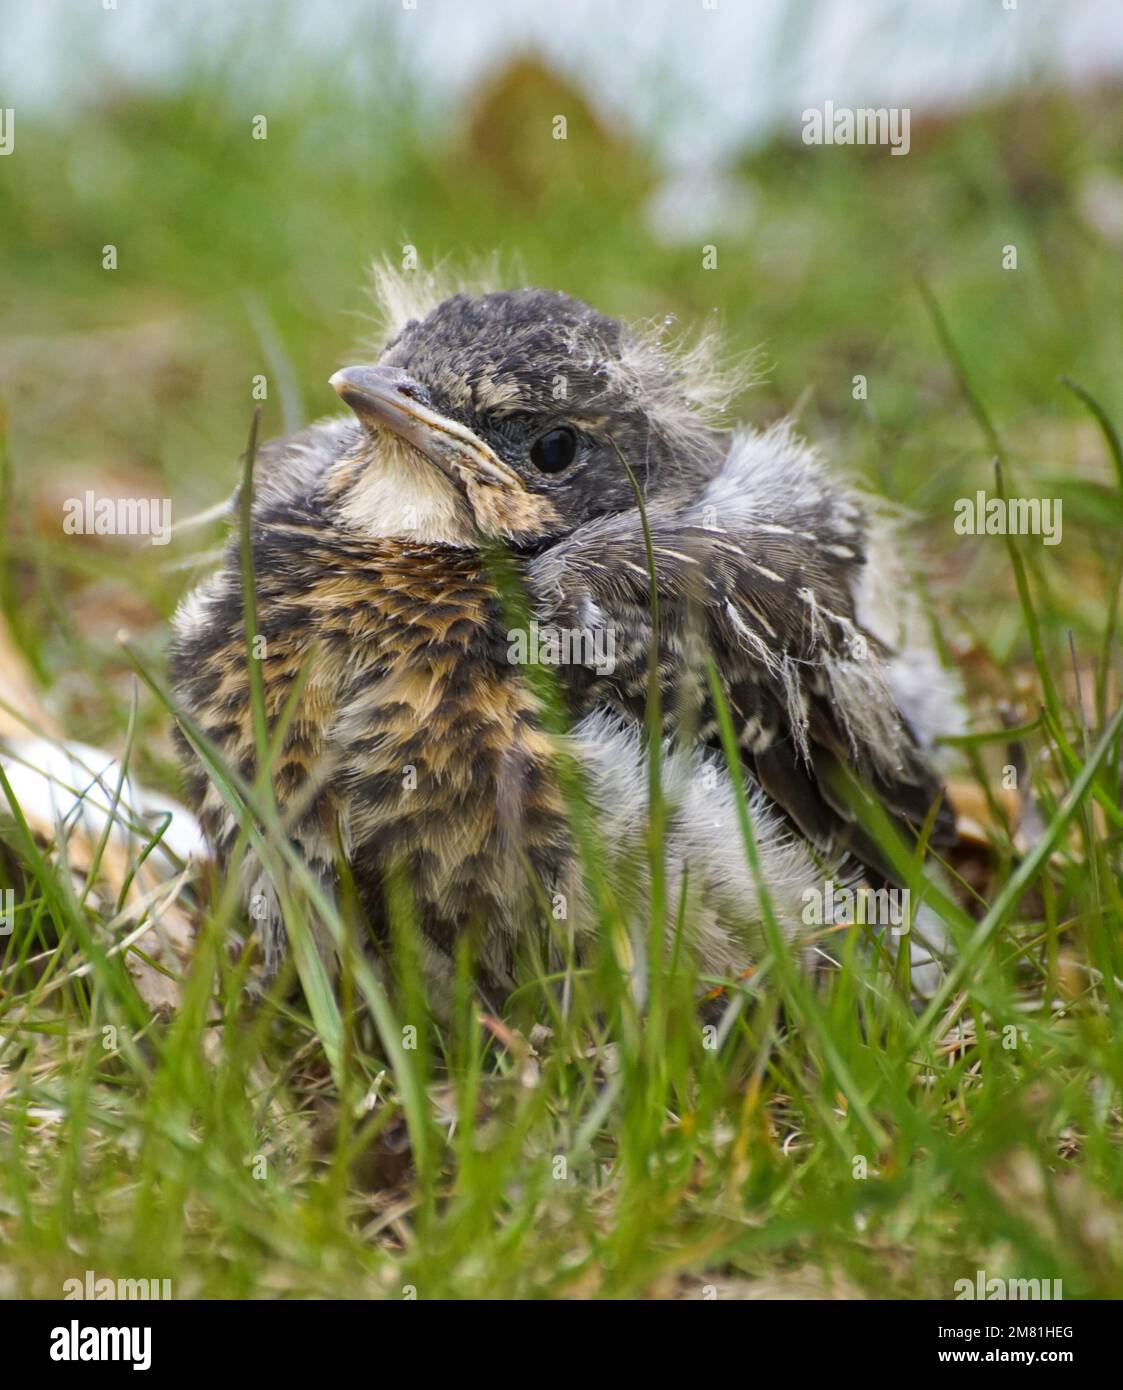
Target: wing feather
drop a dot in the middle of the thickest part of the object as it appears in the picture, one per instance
(762, 570)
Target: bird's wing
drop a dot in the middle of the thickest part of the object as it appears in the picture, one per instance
(761, 569)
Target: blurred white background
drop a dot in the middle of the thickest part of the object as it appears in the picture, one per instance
(697, 82)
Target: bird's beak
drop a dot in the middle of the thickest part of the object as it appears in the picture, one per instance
(387, 397)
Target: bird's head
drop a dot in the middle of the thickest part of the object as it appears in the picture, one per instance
(507, 416)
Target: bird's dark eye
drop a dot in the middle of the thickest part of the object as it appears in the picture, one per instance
(555, 450)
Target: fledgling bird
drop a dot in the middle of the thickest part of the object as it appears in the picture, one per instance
(419, 745)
